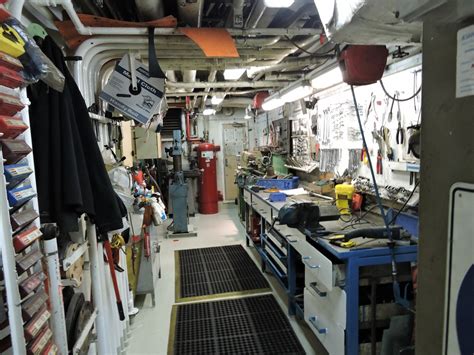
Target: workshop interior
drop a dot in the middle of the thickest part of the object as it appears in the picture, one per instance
(237, 177)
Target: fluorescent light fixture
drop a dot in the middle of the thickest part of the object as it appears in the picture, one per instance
(328, 79)
(233, 74)
(209, 112)
(272, 103)
(217, 99)
(297, 93)
(278, 3)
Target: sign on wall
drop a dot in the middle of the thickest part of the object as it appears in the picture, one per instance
(459, 308)
(465, 62)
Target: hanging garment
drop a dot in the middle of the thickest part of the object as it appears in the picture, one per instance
(70, 172)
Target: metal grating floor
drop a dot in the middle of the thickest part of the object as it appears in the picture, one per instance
(251, 325)
(211, 272)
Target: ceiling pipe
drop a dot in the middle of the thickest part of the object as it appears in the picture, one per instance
(204, 93)
(237, 102)
(134, 31)
(228, 84)
(211, 78)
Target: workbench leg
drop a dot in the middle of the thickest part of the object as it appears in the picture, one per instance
(352, 291)
(291, 280)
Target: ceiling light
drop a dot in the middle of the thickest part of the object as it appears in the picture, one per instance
(272, 103)
(278, 3)
(328, 79)
(297, 93)
(209, 112)
(217, 99)
(233, 74)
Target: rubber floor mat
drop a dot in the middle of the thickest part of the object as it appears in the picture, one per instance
(249, 325)
(215, 272)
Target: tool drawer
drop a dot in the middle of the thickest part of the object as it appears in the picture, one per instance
(329, 333)
(318, 267)
(332, 303)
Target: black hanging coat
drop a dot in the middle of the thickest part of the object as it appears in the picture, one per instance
(70, 172)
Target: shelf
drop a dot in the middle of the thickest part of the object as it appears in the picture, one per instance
(308, 169)
(404, 166)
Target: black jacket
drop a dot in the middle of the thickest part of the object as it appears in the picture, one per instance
(70, 172)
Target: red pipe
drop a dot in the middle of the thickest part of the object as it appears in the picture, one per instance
(188, 118)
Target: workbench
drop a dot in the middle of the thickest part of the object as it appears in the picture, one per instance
(326, 276)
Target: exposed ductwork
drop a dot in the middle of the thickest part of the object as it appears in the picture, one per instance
(149, 9)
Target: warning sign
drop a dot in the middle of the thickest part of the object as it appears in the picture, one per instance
(140, 103)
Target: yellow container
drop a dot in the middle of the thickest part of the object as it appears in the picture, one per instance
(344, 194)
(10, 41)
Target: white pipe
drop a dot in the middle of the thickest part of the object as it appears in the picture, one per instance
(97, 292)
(89, 31)
(55, 296)
(229, 84)
(16, 8)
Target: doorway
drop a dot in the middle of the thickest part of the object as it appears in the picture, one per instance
(234, 143)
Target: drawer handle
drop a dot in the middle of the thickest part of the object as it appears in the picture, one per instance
(314, 286)
(313, 320)
(311, 266)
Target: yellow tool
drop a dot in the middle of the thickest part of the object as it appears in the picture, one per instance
(11, 42)
(117, 241)
(344, 194)
(340, 243)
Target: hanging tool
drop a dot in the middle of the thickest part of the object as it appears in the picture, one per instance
(400, 131)
(370, 108)
(390, 114)
(104, 239)
(379, 163)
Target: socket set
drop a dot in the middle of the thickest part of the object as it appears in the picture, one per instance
(20, 195)
(16, 173)
(12, 127)
(31, 283)
(33, 304)
(14, 150)
(23, 217)
(42, 340)
(26, 238)
(34, 326)
(25, 262)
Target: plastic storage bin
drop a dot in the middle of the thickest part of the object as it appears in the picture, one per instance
(280, 184)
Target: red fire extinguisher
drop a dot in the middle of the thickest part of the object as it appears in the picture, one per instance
(207, 162)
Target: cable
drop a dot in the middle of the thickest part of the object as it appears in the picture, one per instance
(396, 98)
(310, 53)
(391, 244)
(405, 204)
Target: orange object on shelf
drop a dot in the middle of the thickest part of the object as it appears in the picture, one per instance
(214, 42)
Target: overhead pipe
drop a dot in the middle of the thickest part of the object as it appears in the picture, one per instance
(211, 78)
(202, 93)
(229, 84)
(142, 31)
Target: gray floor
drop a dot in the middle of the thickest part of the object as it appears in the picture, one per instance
(150, 327)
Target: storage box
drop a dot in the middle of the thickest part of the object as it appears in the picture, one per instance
(280, 184)
(277, 197)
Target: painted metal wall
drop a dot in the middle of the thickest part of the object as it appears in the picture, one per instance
(447, 157)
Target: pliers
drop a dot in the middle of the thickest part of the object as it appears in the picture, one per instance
(400, 131)
(379, 163)
(400, 134)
